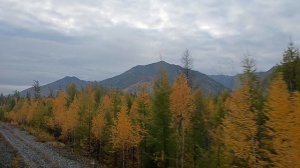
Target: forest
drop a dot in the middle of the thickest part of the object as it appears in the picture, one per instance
(164, 125)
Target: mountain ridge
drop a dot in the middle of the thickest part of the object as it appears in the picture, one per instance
(130, 80)
(55, 86)
(233, 82)
(148, 73)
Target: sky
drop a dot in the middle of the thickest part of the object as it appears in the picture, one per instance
(47, 40)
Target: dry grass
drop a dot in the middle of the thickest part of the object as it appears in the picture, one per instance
(40, 134)
(17, 162)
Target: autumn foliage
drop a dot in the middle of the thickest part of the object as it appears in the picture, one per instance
(283, 114)
(172, 125)
(240, 128)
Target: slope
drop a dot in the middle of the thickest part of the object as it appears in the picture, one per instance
(60, 84)
(130, 79)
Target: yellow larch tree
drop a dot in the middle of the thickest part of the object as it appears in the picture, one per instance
(124, 134)
(70, 119)
(143, 101)
(240, 129)
(140, 115)
(140, 109)
(30, 110)
(210, 109)
(59, 109)
(98, 124)
(107, 108)
(181, 106)
(283, 124)
(106, 102)
(23, 112)
(209, 112)
(19, 114)
(87, 100)
(26, 112)
(88, 108)
(134, 110)
(296, 128)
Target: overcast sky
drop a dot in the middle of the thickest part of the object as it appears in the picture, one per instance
(46, 40)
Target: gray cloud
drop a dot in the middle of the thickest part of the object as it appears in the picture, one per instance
(93, 40)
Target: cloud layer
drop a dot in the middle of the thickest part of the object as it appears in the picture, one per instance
(49, 39)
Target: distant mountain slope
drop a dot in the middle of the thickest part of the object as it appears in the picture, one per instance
(233, 82)
(61, 84)
(226, 80)
(130, 79)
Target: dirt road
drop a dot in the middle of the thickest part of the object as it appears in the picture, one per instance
(35, 154)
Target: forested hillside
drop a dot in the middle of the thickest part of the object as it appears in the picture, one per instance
(175, 125)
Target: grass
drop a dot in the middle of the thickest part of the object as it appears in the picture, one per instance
(17, 162)
(40, 134)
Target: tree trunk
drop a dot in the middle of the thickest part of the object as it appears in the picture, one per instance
(123, 156)
(182, 151)
(177, 151)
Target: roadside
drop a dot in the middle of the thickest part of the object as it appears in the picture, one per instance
(15, 143)
(9, 156)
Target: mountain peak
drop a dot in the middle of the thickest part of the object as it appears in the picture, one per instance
(161, 63)
(58, 85)
(131, 79)
(71, 77)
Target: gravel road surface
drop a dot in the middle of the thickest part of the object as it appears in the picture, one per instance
(35, 154)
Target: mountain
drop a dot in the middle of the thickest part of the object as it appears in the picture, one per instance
(61, 84)
(130, 79)
(233, 82)
(226, 80)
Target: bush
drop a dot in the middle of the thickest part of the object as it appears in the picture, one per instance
(1, 114)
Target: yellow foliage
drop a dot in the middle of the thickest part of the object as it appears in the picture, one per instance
(17, 161)
(296, 129)
(11, 116)
(140, 108)
(42, 135)
(240, 127)
(181, 106)
(210, 110)
(181, 102)
(143, 98)
(134, 110)
(106, 103)
(59, 108)
(283, 122)
(124, 134)
(70, 119)
(107, 108)
(63, 117)
(98, 125)
(87, 105)
(24, 112)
